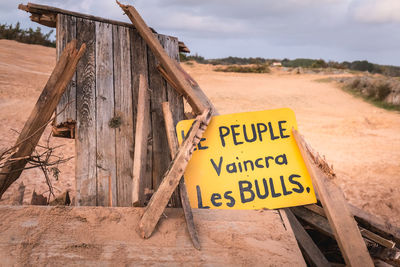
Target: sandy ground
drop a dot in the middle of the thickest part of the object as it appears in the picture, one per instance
(360, 140)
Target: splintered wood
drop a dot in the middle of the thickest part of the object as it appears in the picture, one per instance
(41, 113)
(342, 222)
(171, 178)
(173, 147)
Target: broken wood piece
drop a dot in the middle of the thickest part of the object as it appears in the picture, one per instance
(166, 77)
(141, 139)
(41, 113)
(171, 178)
(363, 218)
(173, 147)
(195, 96)
(38, 199)
(364, 232)
(311, 251)
(62, 200)
(342, 222)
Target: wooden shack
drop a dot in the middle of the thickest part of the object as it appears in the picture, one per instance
(99, 107)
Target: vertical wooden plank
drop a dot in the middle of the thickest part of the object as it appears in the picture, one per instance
(66, 32)
(140, 67)
(141, 136)
(158, 89)
(105, 121)
(124, 112)
(175, 99)
(85, 143)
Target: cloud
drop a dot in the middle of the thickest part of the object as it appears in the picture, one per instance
(377, 11)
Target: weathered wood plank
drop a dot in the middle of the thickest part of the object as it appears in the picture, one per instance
(313, 254)
(175, 101)
(40, 115)
(196, 97)
(140, 67)
(342, 222)
(123, 114)
(364, 232)
(98, 236)
(171, 178)
(105, 120)
(157, 84)
(66, 32)
(85, 142)
(173, 148)
(141, 136)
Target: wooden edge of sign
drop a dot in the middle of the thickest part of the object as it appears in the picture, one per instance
(172, 176)
(312, 253)
(173, 147)
(364, 232)
(141, 136)
(194, 95)
(345, 228)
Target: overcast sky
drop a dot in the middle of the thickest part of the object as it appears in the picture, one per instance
(329, 29)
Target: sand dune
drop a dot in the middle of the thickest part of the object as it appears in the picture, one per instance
(360, 140)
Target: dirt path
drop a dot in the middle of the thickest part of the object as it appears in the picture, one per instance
(361, 141)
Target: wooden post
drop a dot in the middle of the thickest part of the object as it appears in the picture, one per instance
(141, 136)
(41, 113)
(342, 222)
(196, 98)
(173, 175)
(173, 147)
(307, 245)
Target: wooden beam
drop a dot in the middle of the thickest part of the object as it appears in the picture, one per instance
(141, 137)
(171, 178)
(312, 253)
(41, 113)
(363, 218)
(173, 147)
(342, 222)
(196, 98)
(364, 232)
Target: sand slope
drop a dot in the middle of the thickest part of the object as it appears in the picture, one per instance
(360, 140)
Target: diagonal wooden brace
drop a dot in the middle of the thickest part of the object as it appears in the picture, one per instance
(342, 222)
(173, 175)
(173, 148)
(194, 95)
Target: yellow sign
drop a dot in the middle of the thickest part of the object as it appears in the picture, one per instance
(247, 161)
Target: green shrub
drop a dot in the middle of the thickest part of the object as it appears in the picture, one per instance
(28, 36)
(259, 68)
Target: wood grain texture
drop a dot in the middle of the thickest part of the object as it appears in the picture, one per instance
(40, 115)
(313, 254)
(196, 98)
(171, 178)
(66, 32)
(341, 220)
(157, 84)
(173, 148)
(141, 136)
(85, 142)
(124, 111)
(105, 129)
(140, 67)
(98, 236)
(175, 101)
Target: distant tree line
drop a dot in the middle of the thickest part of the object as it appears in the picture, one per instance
(357, 65)
(28, 36)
